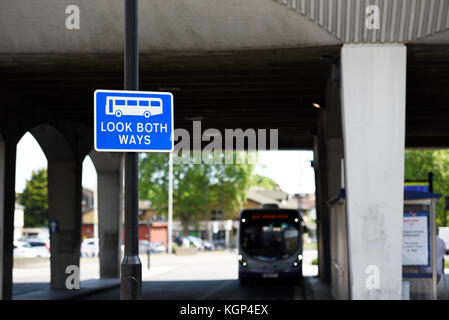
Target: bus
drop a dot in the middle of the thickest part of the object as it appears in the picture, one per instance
(133, 106)
(270, 244)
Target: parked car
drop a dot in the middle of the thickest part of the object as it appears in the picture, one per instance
(178, 241)
(196, 242)
(155, 247)
(208, 245)
(90, 247)
(182, 241)
(41, 246)
(219, 244)
(23, 250)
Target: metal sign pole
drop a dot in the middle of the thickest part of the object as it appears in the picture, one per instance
(170, 202)
(131, 268)
(433, 241)
(149, 243)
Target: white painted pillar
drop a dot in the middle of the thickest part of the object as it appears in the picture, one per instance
(373, 117)
(64, 205)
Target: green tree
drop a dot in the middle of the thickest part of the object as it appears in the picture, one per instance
(418, 164)
(197, 188)
(265, 182)
(35, 200)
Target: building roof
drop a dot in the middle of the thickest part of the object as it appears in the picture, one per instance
(262, 196)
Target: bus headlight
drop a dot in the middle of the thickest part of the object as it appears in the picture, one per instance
(244, 263)
(240, 257)
(295, 264)
(299, 257)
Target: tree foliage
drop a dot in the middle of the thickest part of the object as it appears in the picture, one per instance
(35, 200)
(418, 164)
(197, 188)
(265, 182)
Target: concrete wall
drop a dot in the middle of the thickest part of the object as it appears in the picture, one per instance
(373, 110)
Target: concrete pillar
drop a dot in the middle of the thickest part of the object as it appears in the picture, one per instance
(110, 204)
(109, 168)
(7, 206)
(2, 209)
(323, 221)
(334, 139)
(373, 112)
(64, 205)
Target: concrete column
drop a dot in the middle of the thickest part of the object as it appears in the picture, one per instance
(64, 205)
(110, 204)
(334, 139)
(2, 210)
(109, 168)
(373, 112)
(323, 221)
(7, 206)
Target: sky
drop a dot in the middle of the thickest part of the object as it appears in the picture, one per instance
(290, 169)
(28, 148)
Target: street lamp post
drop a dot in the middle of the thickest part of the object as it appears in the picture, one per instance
(131, 267)
(149, 242)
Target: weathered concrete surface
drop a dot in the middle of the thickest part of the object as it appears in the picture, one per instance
(373, 113)
(400, 21)
(165, 25)
(110, 210)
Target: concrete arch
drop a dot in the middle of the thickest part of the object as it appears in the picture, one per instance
(64, 200)
(53, 143)
(106, 161)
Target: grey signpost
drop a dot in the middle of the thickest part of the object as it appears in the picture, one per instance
(131, 267)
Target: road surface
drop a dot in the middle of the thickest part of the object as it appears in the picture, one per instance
(207, 275)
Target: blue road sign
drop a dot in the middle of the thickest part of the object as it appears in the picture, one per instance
(133, 121)
(53, 225)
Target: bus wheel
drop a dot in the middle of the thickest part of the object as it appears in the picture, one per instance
(118, 113)
(147, 114)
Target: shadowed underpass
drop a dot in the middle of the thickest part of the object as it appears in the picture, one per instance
(212, 290)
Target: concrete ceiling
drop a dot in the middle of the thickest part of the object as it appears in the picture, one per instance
(39, 27)
(232, 89)
(400, 21)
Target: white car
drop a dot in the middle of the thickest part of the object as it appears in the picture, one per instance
(24, 250)
(90, 247)
(41, 246)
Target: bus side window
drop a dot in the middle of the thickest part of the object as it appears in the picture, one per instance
(155, 103)
(143, 103)
(119, 102)
(111, 106)
(132, 103)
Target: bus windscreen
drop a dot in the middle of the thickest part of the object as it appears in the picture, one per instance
(269, 236)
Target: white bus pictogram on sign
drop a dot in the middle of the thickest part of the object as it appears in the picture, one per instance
(133, 106)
